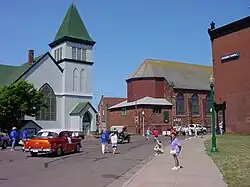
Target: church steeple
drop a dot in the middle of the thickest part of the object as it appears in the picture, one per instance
(72, 29)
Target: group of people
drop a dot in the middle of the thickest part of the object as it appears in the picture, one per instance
(15, 137)
(175, 146)
(105, 138)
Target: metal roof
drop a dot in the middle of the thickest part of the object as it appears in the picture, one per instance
(143, 101)
(182, 75)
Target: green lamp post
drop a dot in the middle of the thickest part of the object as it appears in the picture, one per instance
(214, 147)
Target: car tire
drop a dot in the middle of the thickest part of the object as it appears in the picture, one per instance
(33, 154)
(5, 145)
(59, 151)
(78, 148)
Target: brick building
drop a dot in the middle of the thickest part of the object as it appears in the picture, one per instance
(162, 93)
(231, 67)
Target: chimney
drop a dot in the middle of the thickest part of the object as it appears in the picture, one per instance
(30, 57)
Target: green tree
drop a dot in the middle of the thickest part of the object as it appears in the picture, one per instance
(16, 101)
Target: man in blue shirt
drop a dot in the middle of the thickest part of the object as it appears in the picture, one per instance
(104, 141)
(14, 137)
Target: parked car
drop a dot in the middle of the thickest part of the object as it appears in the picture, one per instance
(4, 140)
(194, 127)
(52, 141)
(121, 133)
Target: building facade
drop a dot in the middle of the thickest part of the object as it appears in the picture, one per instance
(64, 75)
(163, 93)
(231, 59)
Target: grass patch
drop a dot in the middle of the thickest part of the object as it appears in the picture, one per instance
(233, 158)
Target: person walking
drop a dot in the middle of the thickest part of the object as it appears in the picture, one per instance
(175, 151)
(14, 138)
(24, 135)
(104, 141)
(114, 141)
(156, 134)
(148, 133)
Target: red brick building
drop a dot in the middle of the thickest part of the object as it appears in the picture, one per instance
(231, 67)
(162, 93)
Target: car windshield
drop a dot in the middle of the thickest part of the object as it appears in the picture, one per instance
(46, 134)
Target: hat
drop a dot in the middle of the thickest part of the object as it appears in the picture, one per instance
(14, 128)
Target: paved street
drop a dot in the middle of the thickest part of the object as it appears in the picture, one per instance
(90, 167)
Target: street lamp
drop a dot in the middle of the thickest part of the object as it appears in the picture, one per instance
(214, 147)
(143, 130)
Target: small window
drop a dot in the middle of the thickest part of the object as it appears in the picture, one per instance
(55, 56)
(79, 53)
(156, 110)
(124, 112)
(84, 54)
(60, 53)
(103, 112)
(74, 53)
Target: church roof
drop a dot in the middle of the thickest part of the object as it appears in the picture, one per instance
(82, 106)
(182, 75)
(72, 27)
(9, 74)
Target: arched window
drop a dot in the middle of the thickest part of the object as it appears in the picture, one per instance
(47, 113)
(82, 81)
(208, 104)
(75, 77)
(180, 109)
(195, 104)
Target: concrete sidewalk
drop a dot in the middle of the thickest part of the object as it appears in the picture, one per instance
(198, 169)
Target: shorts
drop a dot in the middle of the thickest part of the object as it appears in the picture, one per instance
(114, 145)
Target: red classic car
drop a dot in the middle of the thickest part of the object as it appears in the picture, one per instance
(52, 141)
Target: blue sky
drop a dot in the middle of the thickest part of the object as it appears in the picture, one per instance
(126, 32)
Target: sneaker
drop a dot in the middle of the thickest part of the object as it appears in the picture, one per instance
(175, 168)
(179, 167)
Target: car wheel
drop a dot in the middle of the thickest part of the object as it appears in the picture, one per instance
(78, 148)
(128, 140)
(59, 151)
(5, 145)
(33, 154)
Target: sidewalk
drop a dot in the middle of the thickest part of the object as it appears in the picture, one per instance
(199, 169)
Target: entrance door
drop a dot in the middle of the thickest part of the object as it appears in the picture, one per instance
(86, 123)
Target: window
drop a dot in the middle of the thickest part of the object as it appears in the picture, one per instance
(75, 77)
(55, 55)
(48, 113)
(74, 53)
(156, 110)
(208, 104)
(124, 112)
(60, 53)
(195, 104)
(79, 53)
(82, 80)
(166, 116)
(103, 112)
(180, 107)
(84, 54)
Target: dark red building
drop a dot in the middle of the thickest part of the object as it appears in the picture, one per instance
(231, 67)
(162, 93)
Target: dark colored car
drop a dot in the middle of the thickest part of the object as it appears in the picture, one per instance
(4, 140)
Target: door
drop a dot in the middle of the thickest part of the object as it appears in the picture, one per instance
(86, 122)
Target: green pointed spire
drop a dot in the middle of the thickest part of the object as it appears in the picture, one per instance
(72, 27)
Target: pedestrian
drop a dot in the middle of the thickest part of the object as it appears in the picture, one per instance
(156, 134)
(114, 141)
(24, 135)
(148, 133)
(175, 151)
(14, 138)
(186, 131)
(104, 141)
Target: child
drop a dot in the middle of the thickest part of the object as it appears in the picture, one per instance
(148, 134)
(158, 149)
(114, 140)
(175, 151)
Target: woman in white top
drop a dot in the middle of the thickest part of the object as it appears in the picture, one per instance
(114, 140)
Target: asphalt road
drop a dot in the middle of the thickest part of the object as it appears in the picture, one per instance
(89, 168)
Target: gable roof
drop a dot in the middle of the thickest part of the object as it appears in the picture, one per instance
(82, 106)
(182, 75)
(72, 27)
(10, 74)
